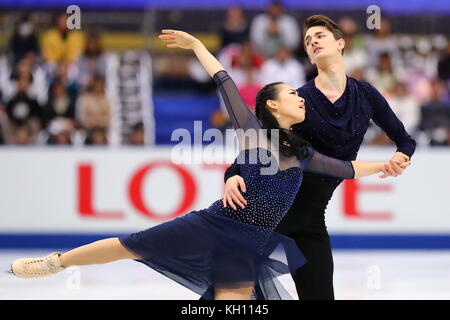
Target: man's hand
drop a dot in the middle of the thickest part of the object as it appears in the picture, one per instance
(395, 166)
(232, 194)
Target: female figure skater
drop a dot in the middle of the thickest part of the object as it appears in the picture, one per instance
(218, 252)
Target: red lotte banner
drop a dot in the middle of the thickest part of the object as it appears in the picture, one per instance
(121, 190)
(86, 207)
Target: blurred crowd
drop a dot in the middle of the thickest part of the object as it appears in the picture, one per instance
(411, 71)
(52, 88)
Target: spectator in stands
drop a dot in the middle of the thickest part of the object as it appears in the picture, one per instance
(26, 68)
(439, 97)
(60, 104)
(444, 66)
(23, 110)
(59, 44)
(23, 135)
(243, 59)
(405, 107)
(422, 70)
(355, 57)
(137, 134)
(235, 28)
(63, 75)
(383, 76)
(92, 61)
(425, 60)
(243, 65)
(2, 139)
(435, 120)
(269, 31)
(283, 67)
(24, 41)
(97, 136)
(382, 42)
(93, 106)
(250, 86)
(60, 132)
(350, 29)
(3, 119)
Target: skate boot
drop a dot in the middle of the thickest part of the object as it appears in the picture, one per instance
(37, 267)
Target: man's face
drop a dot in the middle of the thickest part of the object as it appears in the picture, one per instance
(321, 44)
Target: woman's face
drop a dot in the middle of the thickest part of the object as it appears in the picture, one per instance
(289, 107)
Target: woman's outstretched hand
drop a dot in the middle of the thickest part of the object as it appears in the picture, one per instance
(178, 39)
(181, 39)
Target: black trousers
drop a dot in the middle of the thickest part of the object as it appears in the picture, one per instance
(305, 223)
(314, 280)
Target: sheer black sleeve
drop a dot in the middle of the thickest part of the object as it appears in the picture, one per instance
(241, 117)
(322, 164)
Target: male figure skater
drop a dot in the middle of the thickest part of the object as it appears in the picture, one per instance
(338, 111)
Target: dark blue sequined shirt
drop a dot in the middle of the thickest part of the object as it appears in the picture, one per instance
(337, 129)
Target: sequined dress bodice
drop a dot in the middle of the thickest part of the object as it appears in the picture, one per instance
(268, 197)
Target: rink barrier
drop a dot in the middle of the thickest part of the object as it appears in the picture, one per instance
(338, 241)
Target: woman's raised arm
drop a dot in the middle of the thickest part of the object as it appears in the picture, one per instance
(241, 117)
(183, 40)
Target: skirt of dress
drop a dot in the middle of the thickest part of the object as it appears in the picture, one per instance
(204, 250)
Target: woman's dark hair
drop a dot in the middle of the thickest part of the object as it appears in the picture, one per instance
(290, 143)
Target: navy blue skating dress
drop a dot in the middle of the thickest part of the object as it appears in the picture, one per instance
(222, 248)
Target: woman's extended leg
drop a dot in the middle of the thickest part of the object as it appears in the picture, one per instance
(101, 251)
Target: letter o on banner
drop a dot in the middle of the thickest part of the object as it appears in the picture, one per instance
(135, 189)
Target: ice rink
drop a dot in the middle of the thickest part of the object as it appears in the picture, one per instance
(372, 275)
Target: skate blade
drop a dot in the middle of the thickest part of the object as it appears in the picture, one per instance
(9, 272)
